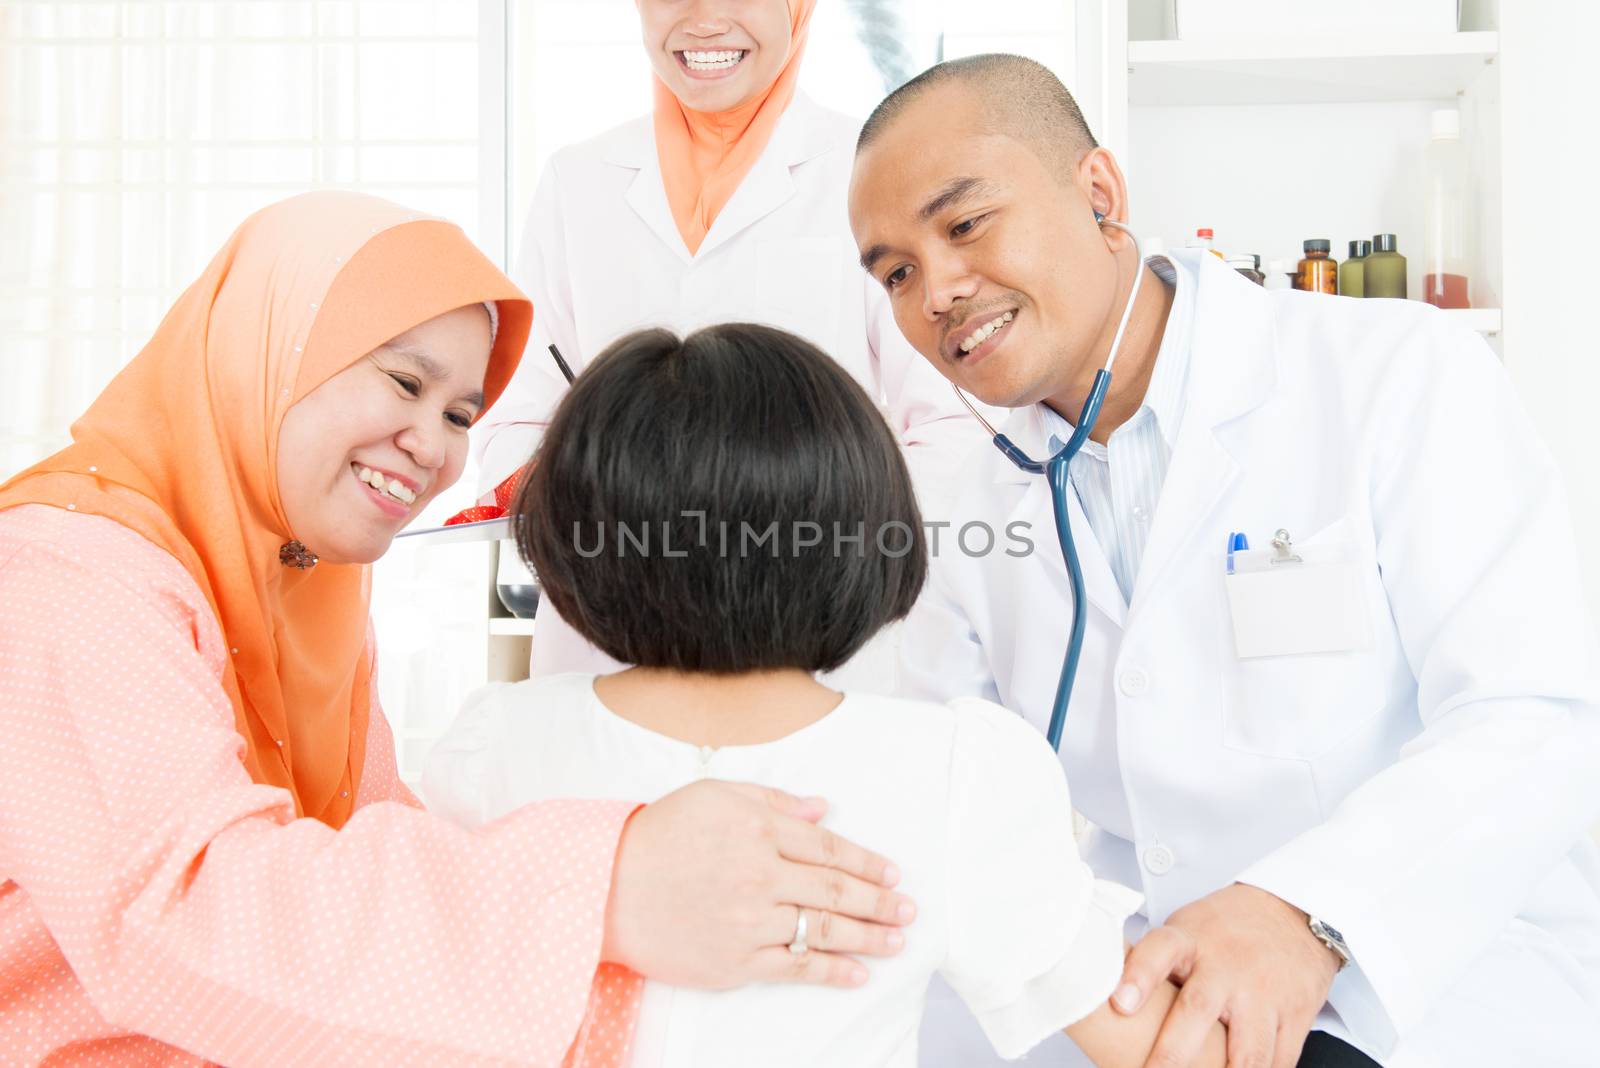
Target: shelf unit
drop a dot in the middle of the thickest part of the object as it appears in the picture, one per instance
(510, 639)
(1296, 70)
(1274, 139)
(1485, 321)
(510, 627)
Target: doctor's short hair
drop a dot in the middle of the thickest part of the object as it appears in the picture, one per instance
(726, 502)
(1020, 97)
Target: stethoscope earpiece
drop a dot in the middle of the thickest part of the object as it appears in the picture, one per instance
(1099, 216)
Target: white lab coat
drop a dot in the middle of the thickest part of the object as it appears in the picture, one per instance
(602, 256)
(1429, 795)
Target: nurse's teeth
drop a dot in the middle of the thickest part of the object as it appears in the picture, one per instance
(712, 60)
(986, 331)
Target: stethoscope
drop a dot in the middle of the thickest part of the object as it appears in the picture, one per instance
(1056, 470)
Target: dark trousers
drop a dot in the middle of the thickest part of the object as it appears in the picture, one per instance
(1324, 1051)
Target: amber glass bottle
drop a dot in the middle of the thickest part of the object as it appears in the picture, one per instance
(1318, 272)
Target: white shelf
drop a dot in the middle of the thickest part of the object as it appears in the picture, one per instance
(1483, 320)
(1298, 70)
(510, 626)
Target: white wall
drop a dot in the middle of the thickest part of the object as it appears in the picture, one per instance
(1551, 139)
(1551, 159)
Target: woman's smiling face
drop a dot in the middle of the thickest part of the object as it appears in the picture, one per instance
(716, 54)
(361, 455)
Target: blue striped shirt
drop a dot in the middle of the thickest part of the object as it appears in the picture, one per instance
(1119, 483)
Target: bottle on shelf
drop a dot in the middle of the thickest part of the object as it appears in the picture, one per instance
(1350, 271)
(1317, 273)
(1249, 265)
(515, 583)
(1383, 274)
(1446, 234)
(1205, 238)
(1280, 274)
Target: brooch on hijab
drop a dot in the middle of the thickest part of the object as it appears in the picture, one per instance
(295, 554)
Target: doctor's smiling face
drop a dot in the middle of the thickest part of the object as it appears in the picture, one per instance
(716, 54)
(975, 211)
(363, 453)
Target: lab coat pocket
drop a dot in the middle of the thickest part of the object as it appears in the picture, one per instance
(1301, 702)
(795, 284)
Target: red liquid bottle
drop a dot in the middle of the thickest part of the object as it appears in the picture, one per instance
(1445, 290)
(1445, 250)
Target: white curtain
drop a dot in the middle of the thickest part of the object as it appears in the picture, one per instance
(135, 135)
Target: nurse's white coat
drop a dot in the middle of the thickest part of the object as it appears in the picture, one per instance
(1430, 795)
(602, 256)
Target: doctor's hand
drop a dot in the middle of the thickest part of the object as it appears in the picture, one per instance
(1241, 956)
(708, 881)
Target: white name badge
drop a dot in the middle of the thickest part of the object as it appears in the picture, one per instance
(1313, 603)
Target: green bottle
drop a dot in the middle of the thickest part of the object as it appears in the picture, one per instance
(1350, 272)
(1384, 272)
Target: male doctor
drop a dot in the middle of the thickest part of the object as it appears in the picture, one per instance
(1352, 779)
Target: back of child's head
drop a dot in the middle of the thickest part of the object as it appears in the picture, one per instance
(727, 502)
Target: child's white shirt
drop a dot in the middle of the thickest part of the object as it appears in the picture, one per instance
(966, 798)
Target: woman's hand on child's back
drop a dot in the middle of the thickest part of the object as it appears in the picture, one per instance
(708, 880)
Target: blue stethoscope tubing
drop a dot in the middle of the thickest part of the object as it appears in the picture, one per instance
(1056, 471)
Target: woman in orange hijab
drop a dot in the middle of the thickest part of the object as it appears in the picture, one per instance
(727, 203)
(205, 851)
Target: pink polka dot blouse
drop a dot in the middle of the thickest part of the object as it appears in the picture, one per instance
(157, 907)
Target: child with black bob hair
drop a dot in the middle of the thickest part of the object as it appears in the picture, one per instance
(730, 502)
(729, 513)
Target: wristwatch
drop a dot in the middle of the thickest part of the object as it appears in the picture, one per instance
(1330, 937)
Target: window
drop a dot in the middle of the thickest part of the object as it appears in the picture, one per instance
(135, 135)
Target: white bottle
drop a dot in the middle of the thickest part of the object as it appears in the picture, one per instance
(1446, 246)
(1205, 238)
(1278, 274)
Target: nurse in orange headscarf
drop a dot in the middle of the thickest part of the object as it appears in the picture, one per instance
(205, 851)
(728, 203)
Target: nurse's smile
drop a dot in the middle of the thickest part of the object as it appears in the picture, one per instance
(710, 64)
(715, 55)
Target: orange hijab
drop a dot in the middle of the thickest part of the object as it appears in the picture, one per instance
(182, 448)
(705, 155)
